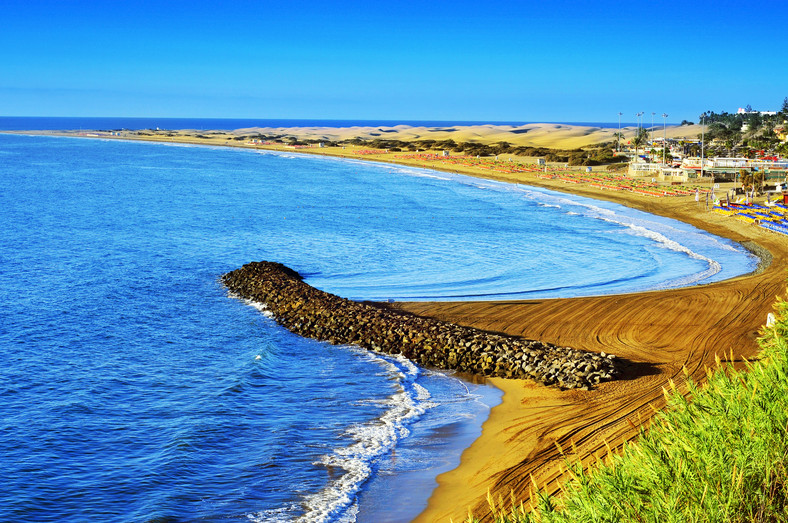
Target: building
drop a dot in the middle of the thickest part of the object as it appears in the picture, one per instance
(722, 169)
(762, 113)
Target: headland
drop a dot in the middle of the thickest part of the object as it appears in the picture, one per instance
(670, 334)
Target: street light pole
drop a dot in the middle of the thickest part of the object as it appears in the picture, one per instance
(664, 135)
(618, 145)
(702, 129)
(652, 129)
(640, 119)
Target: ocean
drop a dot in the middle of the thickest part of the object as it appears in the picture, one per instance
(135, 388)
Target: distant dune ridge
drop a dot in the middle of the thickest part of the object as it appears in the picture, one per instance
(548, 135)
(557, 136)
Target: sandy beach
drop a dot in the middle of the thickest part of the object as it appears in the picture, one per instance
(665, 335)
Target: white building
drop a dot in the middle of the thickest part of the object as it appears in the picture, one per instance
(762, 113)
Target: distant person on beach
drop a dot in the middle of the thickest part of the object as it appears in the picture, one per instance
(697, 196)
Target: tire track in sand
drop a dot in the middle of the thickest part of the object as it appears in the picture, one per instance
(660, 333)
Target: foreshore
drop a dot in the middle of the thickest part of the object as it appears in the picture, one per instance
(662, 333)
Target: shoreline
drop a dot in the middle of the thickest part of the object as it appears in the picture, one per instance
(663, 331)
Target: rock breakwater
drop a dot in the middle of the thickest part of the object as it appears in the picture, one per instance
(312, 313)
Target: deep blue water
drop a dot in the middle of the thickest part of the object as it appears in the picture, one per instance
(41, 123)
(133, 388)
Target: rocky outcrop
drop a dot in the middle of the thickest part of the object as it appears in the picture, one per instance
(312, 313)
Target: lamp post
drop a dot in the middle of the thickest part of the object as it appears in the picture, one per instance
(640, 120)
(618, 145)
(638, 115)
(652, 129)
(664, 135)
(702, 129)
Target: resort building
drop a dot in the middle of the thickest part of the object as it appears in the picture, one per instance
(722, 169)
(762, 113)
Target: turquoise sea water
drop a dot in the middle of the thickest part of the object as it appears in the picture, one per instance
(133, 388)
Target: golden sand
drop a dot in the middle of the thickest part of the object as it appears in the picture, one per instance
(661, 333)
(556, 136)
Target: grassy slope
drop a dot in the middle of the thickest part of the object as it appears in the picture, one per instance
(719, 456)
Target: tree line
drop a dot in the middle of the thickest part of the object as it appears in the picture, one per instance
(742, 134)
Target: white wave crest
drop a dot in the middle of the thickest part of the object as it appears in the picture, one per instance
(586, 208)
(663, 241)
(262, 307)
(277, 515)
(372, 440)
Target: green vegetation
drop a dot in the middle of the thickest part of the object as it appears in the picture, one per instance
(596, 155)
(719, 456)
(748, 179)
(726, 134)
(742, 134)
(641, 138)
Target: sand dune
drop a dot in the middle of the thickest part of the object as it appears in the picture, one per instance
(550, 135)
(559, 136)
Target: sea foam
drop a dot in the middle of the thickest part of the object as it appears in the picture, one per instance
(372, 440)
(337, 501)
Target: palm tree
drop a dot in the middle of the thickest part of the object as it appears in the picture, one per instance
(640, 139)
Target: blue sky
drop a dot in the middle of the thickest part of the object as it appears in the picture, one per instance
(483, 60)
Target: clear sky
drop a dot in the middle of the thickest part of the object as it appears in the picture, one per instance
(488, 60)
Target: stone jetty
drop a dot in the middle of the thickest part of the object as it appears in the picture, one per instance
(312, 313)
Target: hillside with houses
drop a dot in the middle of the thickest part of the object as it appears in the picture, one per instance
(748, 147)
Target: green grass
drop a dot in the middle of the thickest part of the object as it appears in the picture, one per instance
(720, 456)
